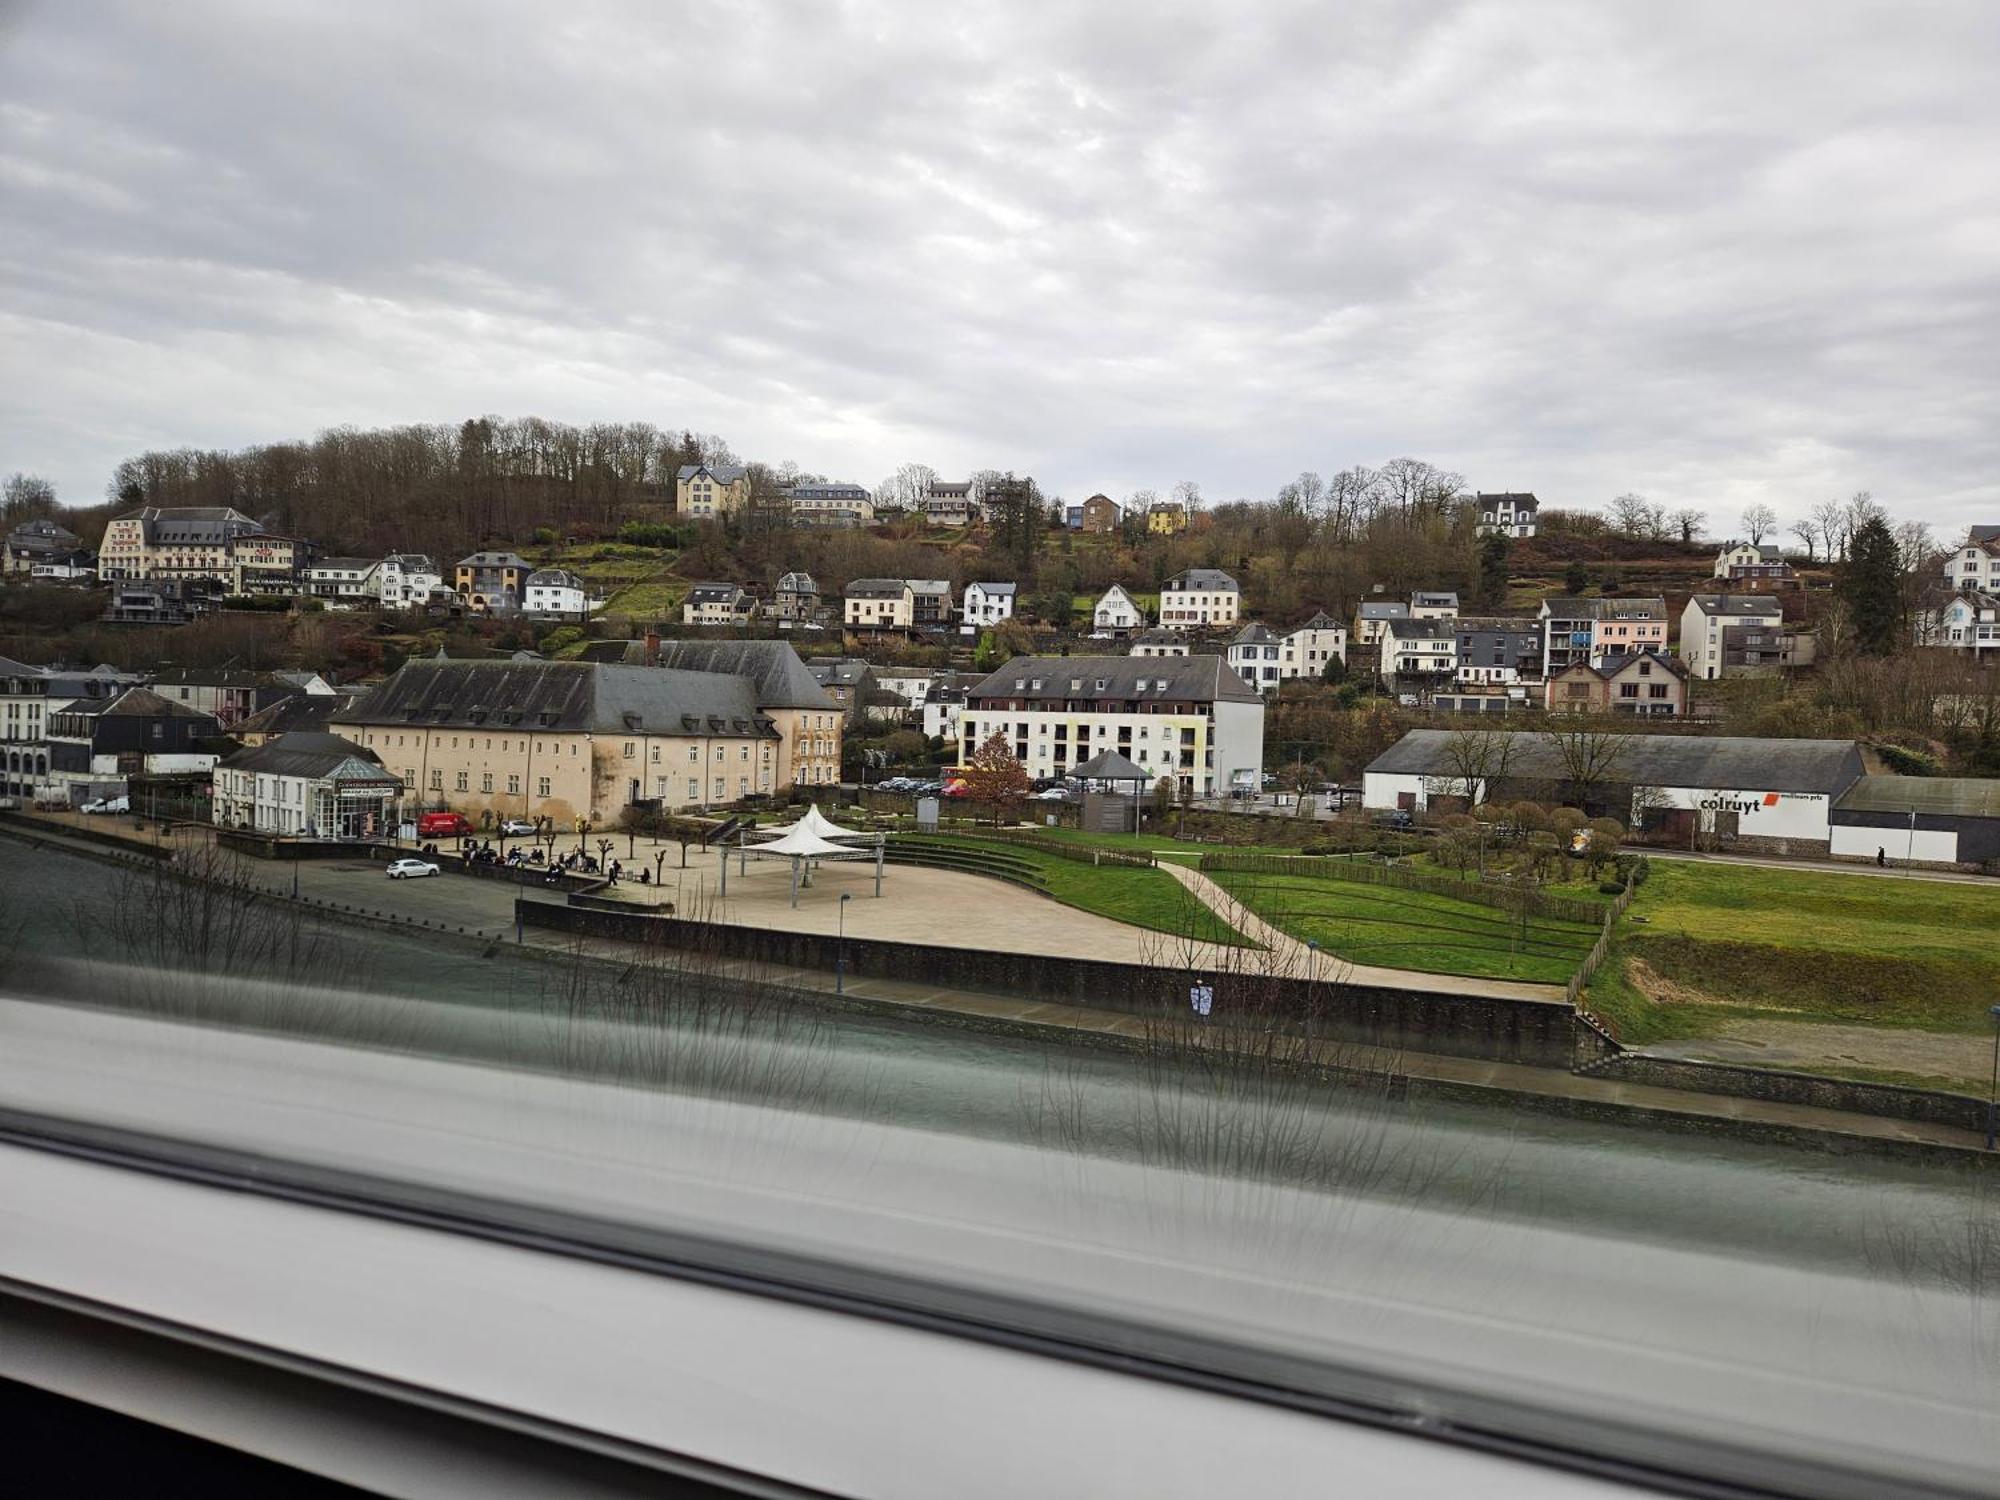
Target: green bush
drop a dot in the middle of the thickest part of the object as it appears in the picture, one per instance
(1906, 762)
(648, 534)
(1611, 888)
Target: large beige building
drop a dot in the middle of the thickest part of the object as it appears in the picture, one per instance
(567, 739)
(809, 722)
(205, 541)
(709, 491)
(880, 604)
(1200, 598)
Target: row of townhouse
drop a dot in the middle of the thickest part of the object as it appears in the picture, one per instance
(1196, 599)
(903, 604)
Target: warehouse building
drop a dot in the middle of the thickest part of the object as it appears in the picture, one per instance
(1921, 820)
(1728, 792)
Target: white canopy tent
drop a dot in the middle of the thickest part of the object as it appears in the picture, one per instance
(804, 847)
(816, 822)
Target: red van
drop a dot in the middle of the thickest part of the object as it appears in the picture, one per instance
(444, 825)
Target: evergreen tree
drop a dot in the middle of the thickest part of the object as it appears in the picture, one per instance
(1871, 585)
(1493, 569)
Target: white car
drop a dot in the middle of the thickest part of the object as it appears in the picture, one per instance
(515, 828)
(108, 805)
(1051, 794)
(411, 869)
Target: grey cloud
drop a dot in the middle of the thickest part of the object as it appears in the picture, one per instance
(1715, 253)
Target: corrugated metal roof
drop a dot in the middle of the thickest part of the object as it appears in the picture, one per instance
(1953, 796)
(1724, 762)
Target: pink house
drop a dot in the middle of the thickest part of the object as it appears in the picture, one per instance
(1627, 627)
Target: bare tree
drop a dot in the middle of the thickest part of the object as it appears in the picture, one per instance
(1807, 531)
(1830, 516)
(1631, 514)
(1861, 508)
(1589, 755)
(1688, 522)
(1476, 758)
(1417, 488)
(1759, 521)
(1187, 495)
(29, 497)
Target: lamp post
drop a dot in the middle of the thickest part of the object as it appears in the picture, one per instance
(840, 947)
(1993, 1085)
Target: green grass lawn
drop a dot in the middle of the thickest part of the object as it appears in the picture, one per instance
(1401, 929)
(647, 601)
(1142, 898)
(1741, 941)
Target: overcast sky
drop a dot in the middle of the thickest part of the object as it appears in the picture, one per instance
(1713, 253)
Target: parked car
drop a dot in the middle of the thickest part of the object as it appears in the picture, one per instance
(443, 825)
(411, 869)
(1052, 794)
(107, 805)
(515, 828)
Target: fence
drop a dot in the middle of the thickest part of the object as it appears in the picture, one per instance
(1505, 897)
(1600, 948)
(1085, 854)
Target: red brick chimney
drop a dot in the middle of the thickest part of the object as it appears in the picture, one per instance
(652, 648)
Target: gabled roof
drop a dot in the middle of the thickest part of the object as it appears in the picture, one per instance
(1414, 629)
(1109, 765)
(1201, 580)
(1638, 607)
(1254, 634)
(554, 578)
(301, 711)
(1119, 590)
(929, 585)
(1384, 609)
(1979, 536)
(713, 593)
(843, 671)
(720, 473)
(1321, 620)
(1433, 598)
(213, 677)
(1567, 607)
(317, 756)
(134, 703)
(797, 583)
(344, 563)
(995, 590)
(877, 588)
(780, 679)
(1195, 679)
(1611, 667)
(1523, 499)
(1724, 762)
(493, 560)
(562, 696)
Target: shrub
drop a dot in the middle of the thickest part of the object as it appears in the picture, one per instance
(1906, 762)
(1611, 888)
(648, 534)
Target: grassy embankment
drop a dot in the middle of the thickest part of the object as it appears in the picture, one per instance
(1402, 929)
(1704, 945)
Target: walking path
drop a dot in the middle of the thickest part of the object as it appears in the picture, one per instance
(1294, 957)
(1893, 871)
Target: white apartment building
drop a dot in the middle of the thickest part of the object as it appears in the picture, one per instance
(345, 582)
(1434, 604)
(1968, 622)
(552, 591)
(1154, 643)
(1190, 719)
(986, 604)
(717, 604)
(1708, 616)
(1116, 614)
(1509, 514)
(1200, 598)
(406, 579)
(1419, 648)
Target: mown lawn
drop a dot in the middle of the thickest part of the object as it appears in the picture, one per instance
(1733, 941)
(646, 601)
(1142, 898)
(1399, 929)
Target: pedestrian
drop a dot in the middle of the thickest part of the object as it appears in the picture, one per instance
(1881, 858)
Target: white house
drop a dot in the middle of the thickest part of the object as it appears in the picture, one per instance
(986, 604)
(1188, 719)
(551, 591)
(1967, 622)
(1707, 619)
(1750, 560)
(718, 604)
(345, 582)
(1199, 598)
(316, 786)
(1116, 614)
(1419, 648)
(1507, 514)
(1434, 604)
(1159, 643)
(1263, 658)
(406, 579)
(1976, 565)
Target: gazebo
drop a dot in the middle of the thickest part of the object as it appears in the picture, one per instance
(1112, 769)
(805, 842)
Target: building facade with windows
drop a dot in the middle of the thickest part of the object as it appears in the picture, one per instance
(1116, 613)
(97, 744)
(708, 492)
(1100, 515)
(566, 740)
(987, 604)
(491, 582)
(1200, 599)
(795, 600)
(1496, 653)
(879, 604)
(1624, 627)
(1976, 565)
(1706, 618)
(1507, 514)
(1651, 685)
(718, 604)
(808, 721)
(831, 504)
(1739, 561)
(307, 785)
(38, 541)
(1189, 719)
(558, 594)
(180, 544)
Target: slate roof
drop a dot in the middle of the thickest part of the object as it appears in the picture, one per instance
(780, 679)
(994, 590)
(301, 711)
(215, 677)
(1980, 535)
(876, 588)
(713, 593)
(554, 578)
(1321, 620)
(1948, 796)
(363, 564)
(1523, 500)
(200, 525)
(1109, 765)
(1433, 599)
(1722, 762)
(134, 702)
(1384, 609)
(1198, 679)
(493, 560)
(1635, 608)
(1201, 580)
(720, 473)
(1254, 634)
(1737, 604)
(1611, 667)
(562, 697)
(319, 756)
(797, 583)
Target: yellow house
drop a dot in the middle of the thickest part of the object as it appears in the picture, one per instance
(880, 604)
(709, 491)
(1165, 518)
(566, 739)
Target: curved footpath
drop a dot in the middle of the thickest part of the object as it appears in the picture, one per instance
(1295, 957)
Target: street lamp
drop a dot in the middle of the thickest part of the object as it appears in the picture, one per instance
(840, 947)
(1993, 1085)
